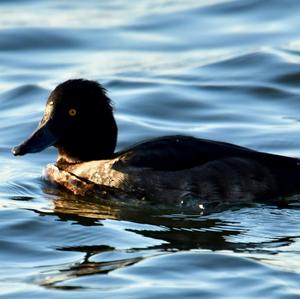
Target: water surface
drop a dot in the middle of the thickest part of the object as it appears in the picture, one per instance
(223, 69)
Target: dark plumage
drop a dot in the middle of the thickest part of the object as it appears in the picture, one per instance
(79, 121)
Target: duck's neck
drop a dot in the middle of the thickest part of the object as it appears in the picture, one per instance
(89, 145)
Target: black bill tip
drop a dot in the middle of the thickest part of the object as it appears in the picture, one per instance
(17, 151)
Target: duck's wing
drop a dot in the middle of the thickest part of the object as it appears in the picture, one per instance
(172, 153)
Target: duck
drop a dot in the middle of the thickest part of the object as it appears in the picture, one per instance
(79, 121)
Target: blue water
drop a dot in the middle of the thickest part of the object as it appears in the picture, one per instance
(219, 69)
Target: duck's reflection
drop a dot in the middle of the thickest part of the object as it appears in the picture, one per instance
(58, 279)
(176, 231)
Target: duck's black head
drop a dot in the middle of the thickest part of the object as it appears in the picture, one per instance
(78, 120)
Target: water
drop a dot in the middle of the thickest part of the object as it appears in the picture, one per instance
(222, 69)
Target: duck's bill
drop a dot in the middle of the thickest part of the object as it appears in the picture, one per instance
(40, 139)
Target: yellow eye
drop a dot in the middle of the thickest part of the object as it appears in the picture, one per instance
(72, 112)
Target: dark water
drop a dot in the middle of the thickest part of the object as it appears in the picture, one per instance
(226, 70)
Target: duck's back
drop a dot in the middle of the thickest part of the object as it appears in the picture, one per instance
(171, 153)
(178, 152)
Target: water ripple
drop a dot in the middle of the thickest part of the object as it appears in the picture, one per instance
(221, 69)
